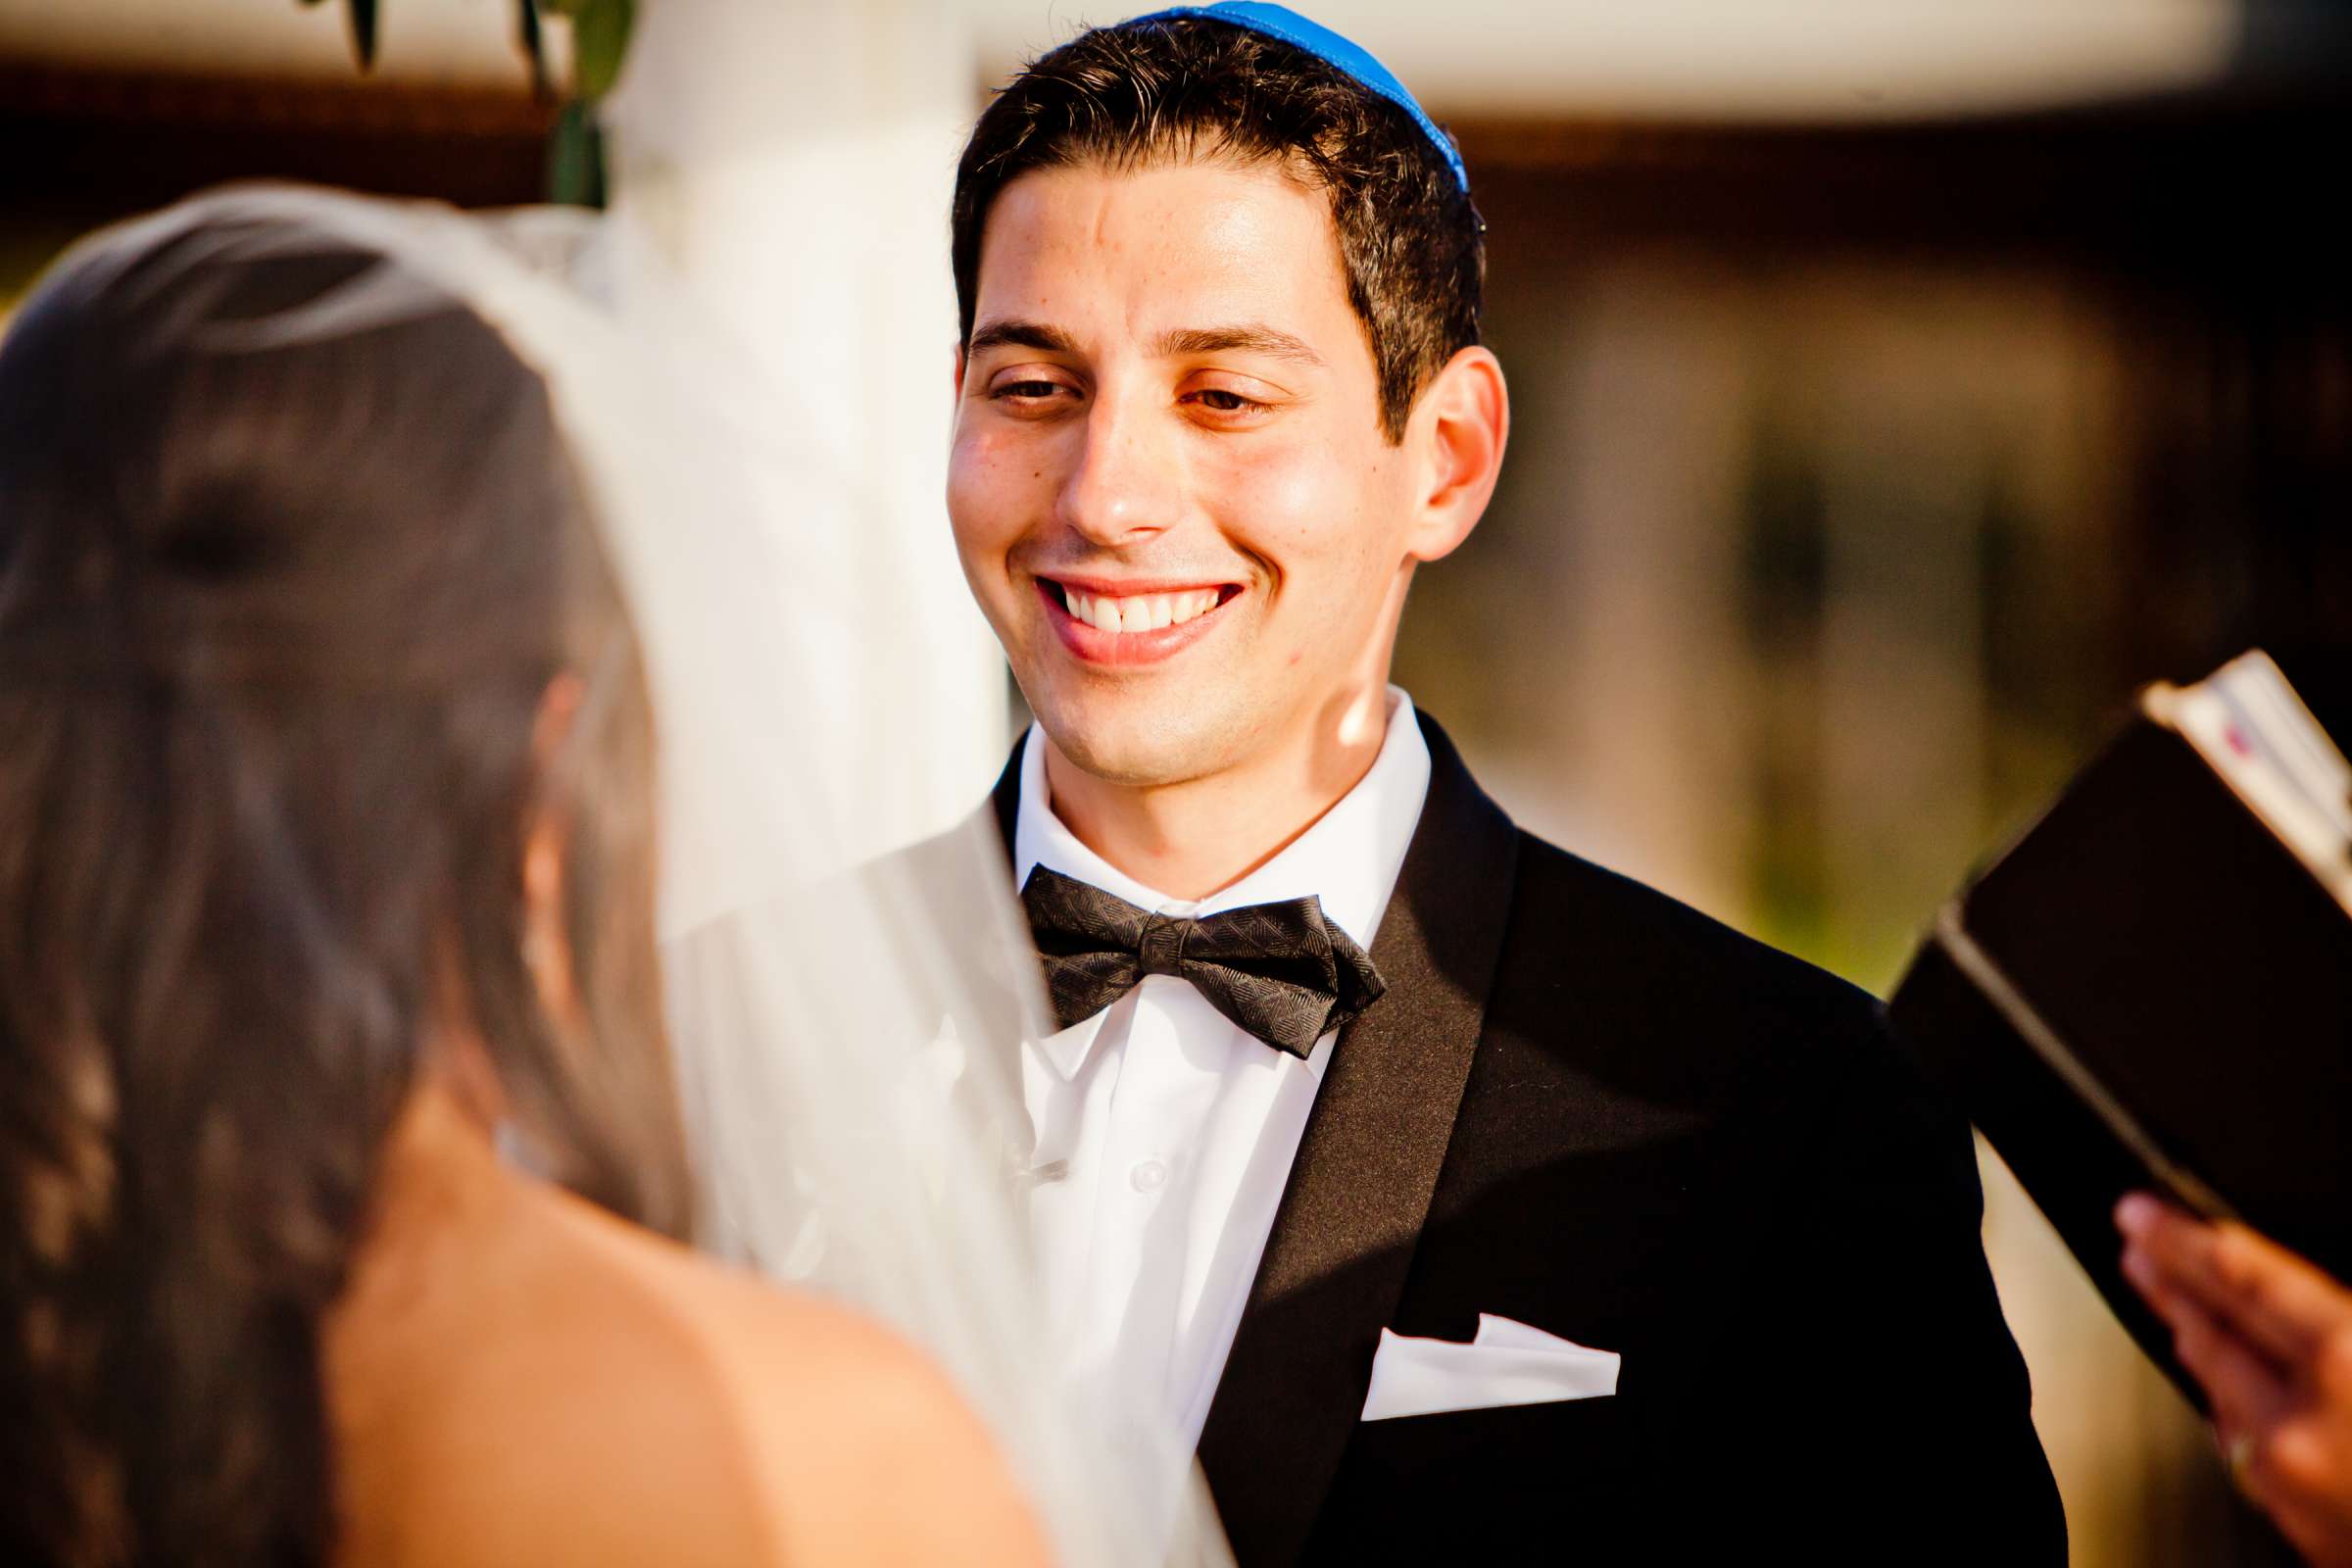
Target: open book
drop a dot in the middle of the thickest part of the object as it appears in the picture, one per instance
(2152, 987)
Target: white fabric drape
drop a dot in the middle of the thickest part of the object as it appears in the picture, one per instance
(781, 175)
(792, 160)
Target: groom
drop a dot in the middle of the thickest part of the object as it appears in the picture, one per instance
(1469, 1203)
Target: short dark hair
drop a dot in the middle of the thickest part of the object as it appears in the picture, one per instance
(1411, 243)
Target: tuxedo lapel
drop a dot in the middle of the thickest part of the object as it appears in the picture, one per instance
(1359, 1190)
(1005, 798)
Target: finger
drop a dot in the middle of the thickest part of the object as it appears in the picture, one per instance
(2262, 1433)
(2235, 1449)
(2135, 1212)
(2299, 1459)
(2247, 1393)
(2281, 1300)
(2269, 1296)
(2286, 1472)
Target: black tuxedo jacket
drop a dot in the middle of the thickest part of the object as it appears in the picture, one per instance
(1588, 1108)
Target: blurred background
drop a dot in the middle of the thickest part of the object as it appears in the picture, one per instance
(1898, 384)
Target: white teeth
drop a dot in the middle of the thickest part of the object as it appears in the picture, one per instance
(1139, 611)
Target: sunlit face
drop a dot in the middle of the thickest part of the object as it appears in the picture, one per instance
(1169, 484)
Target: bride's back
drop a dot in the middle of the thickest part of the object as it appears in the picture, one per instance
(514, 1376)
(325, 849)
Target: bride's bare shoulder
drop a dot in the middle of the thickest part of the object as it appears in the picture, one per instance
(631, 1402)
(862, 1445)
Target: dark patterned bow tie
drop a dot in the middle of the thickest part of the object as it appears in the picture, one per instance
(1279, 970)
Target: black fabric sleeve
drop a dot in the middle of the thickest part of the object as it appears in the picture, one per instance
(1888, 1409)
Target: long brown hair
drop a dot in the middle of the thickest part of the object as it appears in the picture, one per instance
(275, 623)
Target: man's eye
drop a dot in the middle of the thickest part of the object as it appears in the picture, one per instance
(1222, 400)
(1028, 389)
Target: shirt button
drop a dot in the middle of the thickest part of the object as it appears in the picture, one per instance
(1147, 1176)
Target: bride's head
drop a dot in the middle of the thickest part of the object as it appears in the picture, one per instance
(324, 766)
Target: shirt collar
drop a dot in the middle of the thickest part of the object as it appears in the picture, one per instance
(1349, 859)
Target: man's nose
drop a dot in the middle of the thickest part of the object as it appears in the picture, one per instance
(1124, 487)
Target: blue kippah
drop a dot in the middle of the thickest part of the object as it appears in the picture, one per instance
(1281, 22)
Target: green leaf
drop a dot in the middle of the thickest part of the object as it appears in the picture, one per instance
(600, 37)
(575, 157)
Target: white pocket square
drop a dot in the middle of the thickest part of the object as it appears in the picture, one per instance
(1505, 1364)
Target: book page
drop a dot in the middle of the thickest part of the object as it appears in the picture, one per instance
(2251, 728)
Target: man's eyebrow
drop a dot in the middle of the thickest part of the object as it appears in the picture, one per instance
(1017, 334)
(1253, 338)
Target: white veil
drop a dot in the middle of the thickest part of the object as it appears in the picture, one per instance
(844, 1032)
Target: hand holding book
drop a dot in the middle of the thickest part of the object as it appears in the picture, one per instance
(2269, 1338)
(2151, 988)
(2150, 991)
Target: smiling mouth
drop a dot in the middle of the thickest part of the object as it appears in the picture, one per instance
(1121, 615)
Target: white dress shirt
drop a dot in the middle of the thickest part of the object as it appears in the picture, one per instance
(1164, 1132)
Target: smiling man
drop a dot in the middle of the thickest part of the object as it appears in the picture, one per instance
(1464, 1198)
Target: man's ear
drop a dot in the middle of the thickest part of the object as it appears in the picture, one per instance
(1457, 432)
(959, 364)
